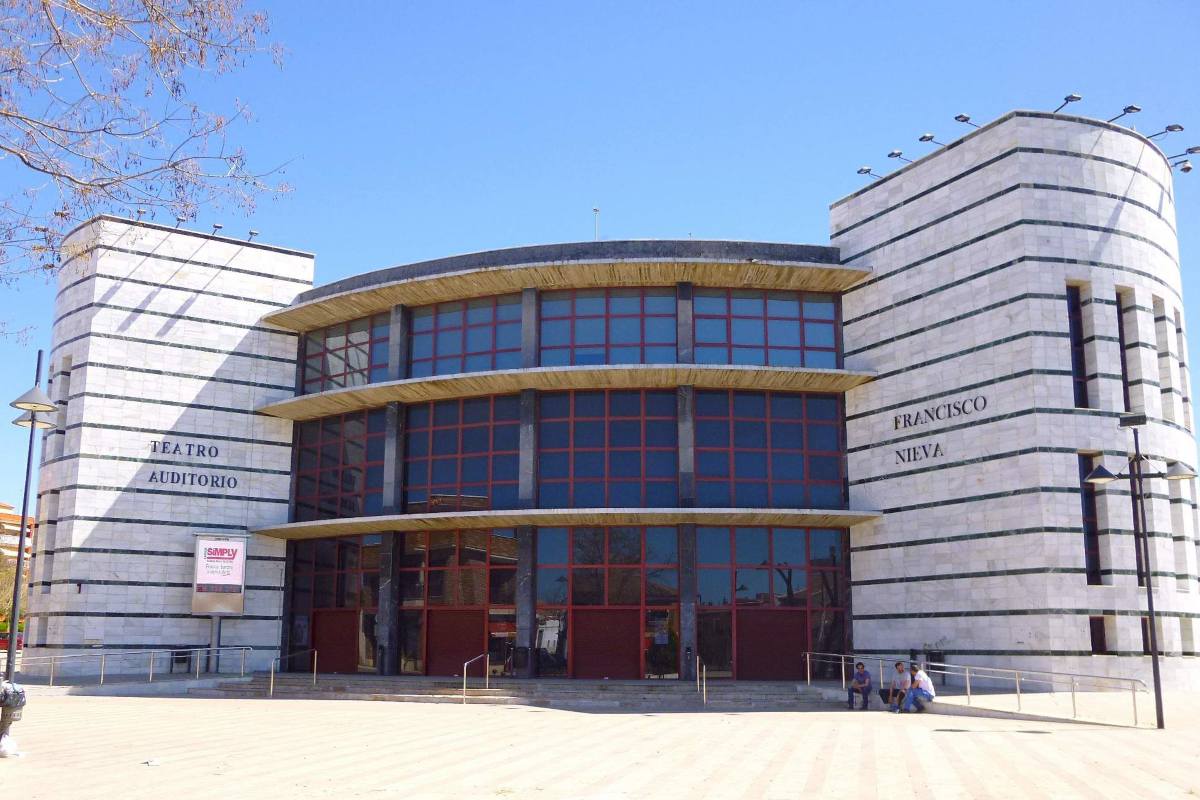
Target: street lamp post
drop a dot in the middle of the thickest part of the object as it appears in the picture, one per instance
(1141, 531)
(33, 403)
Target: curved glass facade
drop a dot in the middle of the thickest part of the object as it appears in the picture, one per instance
(579, 327)
(622, 602)
(618, 448)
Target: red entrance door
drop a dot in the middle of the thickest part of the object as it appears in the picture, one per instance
(606, 643)
(335, 638)
(455, 637)
(770, 645)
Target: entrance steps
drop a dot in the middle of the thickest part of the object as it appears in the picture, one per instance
(598, 695)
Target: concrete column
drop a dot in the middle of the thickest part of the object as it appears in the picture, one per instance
(285, 617)
(526, 599)
(301, 355)
(527, 456)
(686, 410)
(529, 328)
(393, 459)
(687, 601)
(398, 343)
(387, 618)
(684, 330)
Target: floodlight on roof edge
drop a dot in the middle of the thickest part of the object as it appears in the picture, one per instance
(865, 170)
(1071, 98)
(1130, 109)
(900, 155)
(928, 137)
(966, 120)
(1173, 128)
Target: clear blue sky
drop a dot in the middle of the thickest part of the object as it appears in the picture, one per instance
(416, 130)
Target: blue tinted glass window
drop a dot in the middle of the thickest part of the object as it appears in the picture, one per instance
(608, 326)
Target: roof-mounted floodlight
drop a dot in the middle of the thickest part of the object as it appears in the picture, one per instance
(928, 137)
(1191, 151)
(252, 234)
(864, 170)
(217, 226)
(1126, 110)
(179, 221)
(965, 119)
(1169, 129)
(1184, 166)
(900, 155)
(1071, 98)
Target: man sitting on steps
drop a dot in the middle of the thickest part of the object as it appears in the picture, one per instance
(921, 692)
(893, 696)
(861, 683)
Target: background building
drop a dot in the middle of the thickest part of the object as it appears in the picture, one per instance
(10, 532)
(603, 459)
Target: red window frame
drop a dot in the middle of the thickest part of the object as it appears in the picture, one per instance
(605, 450)
(814, 569)
(496, 357)
(609, 318)
(486, 569)
(449, 496)
(770, 449)
(330, 482)
(318, 357)
(607, 567)
(724, 351)
(357, 578)
(820, 619)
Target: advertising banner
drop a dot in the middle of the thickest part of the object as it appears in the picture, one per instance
(219, 586)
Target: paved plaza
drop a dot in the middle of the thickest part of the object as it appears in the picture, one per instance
(84, 747)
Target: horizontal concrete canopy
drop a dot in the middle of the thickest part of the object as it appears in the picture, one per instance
(461, 277)
(616, 376)
(547, 517)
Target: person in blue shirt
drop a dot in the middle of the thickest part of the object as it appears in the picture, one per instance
(860, 682)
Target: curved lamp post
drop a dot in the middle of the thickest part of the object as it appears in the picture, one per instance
(35, 403)
(1176, 472)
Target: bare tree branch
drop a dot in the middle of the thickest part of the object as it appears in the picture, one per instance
(95, 116)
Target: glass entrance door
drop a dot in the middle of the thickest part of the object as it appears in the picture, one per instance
(608, 602)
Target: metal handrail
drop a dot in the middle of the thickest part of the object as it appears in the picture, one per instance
(277, 659)
(104, 655)
(487, 669)
(1075, 680)
(702, 679)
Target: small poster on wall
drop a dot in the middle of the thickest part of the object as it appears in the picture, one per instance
(219, 586)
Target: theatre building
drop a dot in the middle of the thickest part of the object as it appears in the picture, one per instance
(603, 459)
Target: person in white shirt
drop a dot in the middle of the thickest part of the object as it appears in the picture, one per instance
(921, 691)
(893, 696)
